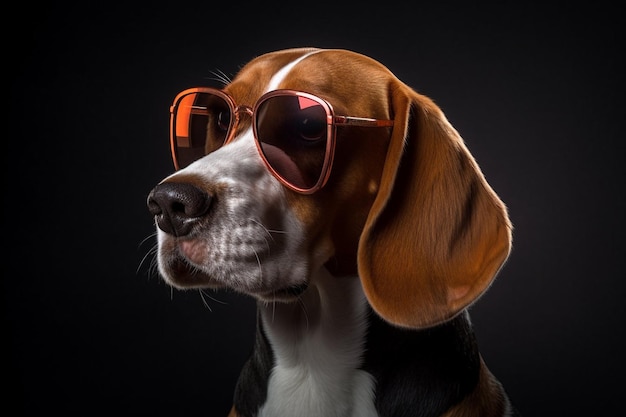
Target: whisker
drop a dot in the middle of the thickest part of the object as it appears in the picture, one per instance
(150, 252)
(265, 229)
(306, 313)
(150, 236)
(204, 301)
(258, 261)
(220, 77)
(273, 308)
(203, 291)
(268, 231)
(154, 266)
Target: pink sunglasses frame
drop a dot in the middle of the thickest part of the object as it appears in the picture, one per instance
(332, 122)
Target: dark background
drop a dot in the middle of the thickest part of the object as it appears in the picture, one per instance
(89, 329)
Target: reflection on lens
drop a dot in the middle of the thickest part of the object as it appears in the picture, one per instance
(201, 126)
(292, 132)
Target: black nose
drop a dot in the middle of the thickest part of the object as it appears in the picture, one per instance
(178, 206)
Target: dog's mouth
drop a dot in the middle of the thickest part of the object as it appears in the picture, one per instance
(182, 275)
(284, 295)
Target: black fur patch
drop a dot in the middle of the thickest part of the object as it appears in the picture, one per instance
(421, 373)
(251, 388)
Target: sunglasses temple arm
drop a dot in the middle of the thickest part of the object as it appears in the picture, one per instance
(362, 121)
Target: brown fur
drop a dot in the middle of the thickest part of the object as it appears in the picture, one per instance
(448, 231)
(487, 400)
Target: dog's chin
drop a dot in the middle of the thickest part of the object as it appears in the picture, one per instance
(181, 275)
(284, 295)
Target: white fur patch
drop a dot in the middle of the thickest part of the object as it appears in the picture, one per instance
(280, 75)
(254, 243)
(318, 345)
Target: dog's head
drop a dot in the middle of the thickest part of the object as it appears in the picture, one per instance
(390, 193)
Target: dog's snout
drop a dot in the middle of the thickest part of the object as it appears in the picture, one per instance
(178, 206)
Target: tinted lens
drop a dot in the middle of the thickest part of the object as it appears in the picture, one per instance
(293, 134)
(201, 124)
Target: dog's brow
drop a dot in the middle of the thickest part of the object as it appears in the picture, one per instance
(282, 73)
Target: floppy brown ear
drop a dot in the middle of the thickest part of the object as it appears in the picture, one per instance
(437, 234)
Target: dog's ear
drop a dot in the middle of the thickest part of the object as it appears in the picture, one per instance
(437, 234)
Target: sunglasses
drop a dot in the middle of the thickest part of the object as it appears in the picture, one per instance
(294, 131)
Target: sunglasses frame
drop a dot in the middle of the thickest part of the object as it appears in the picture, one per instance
(332, 122)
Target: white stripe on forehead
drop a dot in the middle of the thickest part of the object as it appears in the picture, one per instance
(282, 73)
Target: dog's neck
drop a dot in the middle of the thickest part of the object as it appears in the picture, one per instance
(318, 347)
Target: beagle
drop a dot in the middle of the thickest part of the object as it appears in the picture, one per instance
(346, 204)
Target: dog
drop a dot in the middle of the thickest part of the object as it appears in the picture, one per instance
(344, 202)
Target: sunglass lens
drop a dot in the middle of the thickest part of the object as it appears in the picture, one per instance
(293, 132)
(201, 125)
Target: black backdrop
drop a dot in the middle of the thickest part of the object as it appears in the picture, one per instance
(536, 92)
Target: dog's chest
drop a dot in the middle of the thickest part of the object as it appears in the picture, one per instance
(318, 348)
